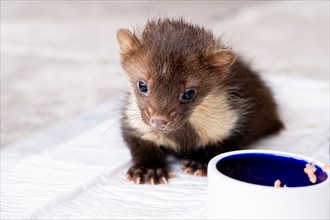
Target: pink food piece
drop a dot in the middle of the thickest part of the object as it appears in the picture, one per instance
(325, 168)
(277, 183)
(310, 170)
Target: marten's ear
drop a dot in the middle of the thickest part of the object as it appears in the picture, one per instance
(127, 41)
(222, 58)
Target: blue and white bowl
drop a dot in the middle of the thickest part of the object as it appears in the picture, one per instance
(241, 185)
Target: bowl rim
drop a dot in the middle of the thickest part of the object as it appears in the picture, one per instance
(212, 169)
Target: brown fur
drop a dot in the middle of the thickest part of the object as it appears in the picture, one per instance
(232, 107)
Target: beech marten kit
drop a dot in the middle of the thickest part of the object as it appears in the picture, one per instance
(190, 96)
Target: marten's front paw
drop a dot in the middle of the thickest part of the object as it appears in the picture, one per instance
(140, 175)
(195, 168)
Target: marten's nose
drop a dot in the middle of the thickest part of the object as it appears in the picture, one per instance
(158, 122)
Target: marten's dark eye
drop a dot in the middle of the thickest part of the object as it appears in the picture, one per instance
(188, 95)
(142, 86)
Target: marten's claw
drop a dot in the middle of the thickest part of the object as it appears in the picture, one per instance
(195, 168)
(200, 172)
(153, 176)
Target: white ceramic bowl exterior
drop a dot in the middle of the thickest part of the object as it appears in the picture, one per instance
(229, 198)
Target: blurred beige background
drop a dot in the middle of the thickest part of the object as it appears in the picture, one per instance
(60, 58)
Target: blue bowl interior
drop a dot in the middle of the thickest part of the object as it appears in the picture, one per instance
(264, 169)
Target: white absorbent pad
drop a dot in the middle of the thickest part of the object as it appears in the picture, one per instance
(84, 178)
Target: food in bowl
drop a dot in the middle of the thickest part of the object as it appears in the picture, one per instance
(265, 169)
(310, 170)
(277, 183)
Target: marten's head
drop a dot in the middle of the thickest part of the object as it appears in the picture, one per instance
(172, 66)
